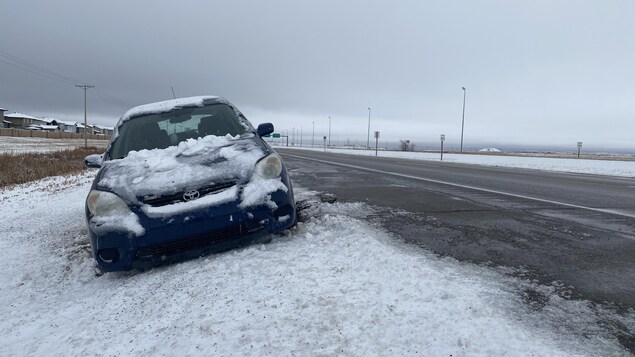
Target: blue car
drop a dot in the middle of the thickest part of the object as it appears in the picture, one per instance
(183, 178)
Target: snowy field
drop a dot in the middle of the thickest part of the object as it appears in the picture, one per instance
(582, 166)
(335, 285)
(20, 145)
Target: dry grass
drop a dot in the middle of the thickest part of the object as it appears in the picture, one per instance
(21, 168)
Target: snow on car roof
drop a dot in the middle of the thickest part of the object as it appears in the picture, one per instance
(168, 105)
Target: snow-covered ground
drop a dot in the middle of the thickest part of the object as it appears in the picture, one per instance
(335, 285)
(20, 145)
(583, 166)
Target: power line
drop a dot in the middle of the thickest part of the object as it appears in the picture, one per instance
(111, 98)
(37, 68)
(47, 73)
(38, 73)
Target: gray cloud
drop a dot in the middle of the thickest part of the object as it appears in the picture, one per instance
(536, 72)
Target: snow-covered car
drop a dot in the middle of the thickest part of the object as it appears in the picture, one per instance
(182, 178)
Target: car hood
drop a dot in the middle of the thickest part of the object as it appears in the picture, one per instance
(192, 164)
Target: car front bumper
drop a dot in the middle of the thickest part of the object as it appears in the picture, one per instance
(192, 234)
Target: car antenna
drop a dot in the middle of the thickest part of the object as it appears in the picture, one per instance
(174, 96)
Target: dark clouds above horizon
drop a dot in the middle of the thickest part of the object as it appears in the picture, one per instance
(536, 72)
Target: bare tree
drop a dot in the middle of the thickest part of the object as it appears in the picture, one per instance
(406, 145)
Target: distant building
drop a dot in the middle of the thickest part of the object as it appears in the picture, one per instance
(104, 130)
(79, 128)
(3, 122)
(22, 121)
(63, 125)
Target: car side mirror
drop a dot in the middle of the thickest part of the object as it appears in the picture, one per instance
(94, 160)
(264, 129)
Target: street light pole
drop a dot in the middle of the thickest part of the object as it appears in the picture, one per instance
(368, 139)
(329, 131)
(463, 117)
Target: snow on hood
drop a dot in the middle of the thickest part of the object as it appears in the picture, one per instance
(190, 165)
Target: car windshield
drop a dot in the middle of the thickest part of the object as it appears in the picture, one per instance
(159, 131)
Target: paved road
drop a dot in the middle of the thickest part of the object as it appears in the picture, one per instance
(575, 229)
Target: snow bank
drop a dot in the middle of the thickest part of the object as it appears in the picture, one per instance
(583, 166)
(490, 150)
(336, 285)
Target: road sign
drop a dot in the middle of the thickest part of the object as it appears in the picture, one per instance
(376, 135)
(579, 144)
(442, 140)
(275, 135)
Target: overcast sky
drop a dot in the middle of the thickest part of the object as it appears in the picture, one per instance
(537, 72)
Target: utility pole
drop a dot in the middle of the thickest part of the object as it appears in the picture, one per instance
(85, 88)
(313, 136)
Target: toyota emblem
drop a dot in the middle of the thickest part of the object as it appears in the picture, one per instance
(191, 195)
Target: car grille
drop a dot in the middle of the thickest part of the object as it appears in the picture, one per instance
(178, 197)
(199, 241)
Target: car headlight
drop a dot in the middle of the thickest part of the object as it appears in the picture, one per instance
(101, 203)
(270, 167)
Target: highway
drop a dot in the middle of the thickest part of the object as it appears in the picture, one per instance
(572, 229)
